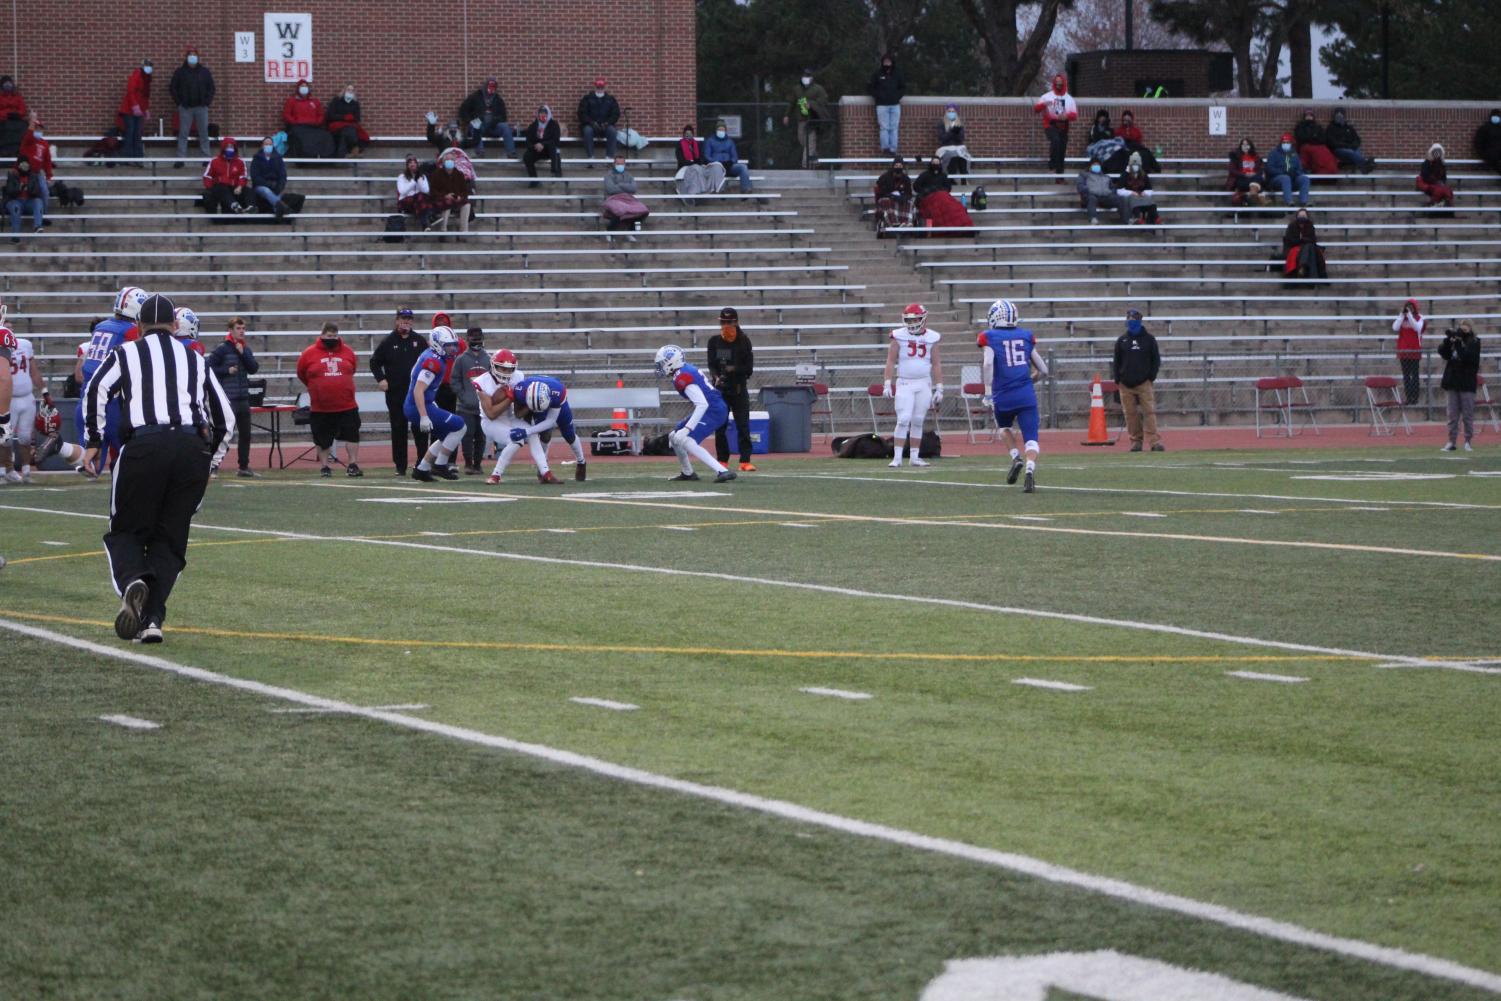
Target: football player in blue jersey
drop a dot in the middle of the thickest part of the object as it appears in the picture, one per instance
(107, 336)
(541, 403)
(421, 408)
(1011, 357)
(709, 414)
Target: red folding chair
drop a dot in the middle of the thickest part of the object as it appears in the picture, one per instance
(1288, 395)
(872, 395)
(1384, 394)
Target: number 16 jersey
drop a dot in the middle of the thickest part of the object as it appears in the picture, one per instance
(1011, 378)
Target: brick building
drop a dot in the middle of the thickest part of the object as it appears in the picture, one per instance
(72, 59)
(1157, 72)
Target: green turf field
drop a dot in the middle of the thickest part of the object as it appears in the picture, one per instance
(244, 850)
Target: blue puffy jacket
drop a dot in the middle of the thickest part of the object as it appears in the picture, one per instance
(721, 150)
(1279, 163)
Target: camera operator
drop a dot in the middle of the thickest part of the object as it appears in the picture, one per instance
(1461, 354)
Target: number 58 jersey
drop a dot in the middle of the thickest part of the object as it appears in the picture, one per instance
(914, 353)
(1011, 377)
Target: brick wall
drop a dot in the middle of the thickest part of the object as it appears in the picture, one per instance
(1115, 71)
(404, 58)
(1003, 126)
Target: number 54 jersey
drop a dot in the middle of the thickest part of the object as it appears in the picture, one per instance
(914, 353)
(1011, 378)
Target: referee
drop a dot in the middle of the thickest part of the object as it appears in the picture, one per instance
(173, 414)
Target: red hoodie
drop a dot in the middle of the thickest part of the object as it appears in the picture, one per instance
(225, 170)
(329, 376)
(39, 152)
(1409, 330)
(303, 110)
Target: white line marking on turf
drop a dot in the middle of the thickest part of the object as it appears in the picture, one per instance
(797, 524)
(1143, 514)
(399, 707)
(1096, 620)
(1062, 686)
(1283, 931)
(838, 693)
(49, 542)
(1287, 679)
(1028, 517)
(603, 703)
(679, 528)
(1256, 510)
(131, 722)
(561, 531)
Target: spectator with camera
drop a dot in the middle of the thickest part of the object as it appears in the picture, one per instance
(1409, 326)
(1461, 354)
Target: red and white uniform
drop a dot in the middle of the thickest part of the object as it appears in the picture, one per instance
(913, 389)
(22, 400)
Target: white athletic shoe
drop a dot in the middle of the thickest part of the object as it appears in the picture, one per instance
(1467, 449)
(919, 462)
(895, 464)
(1448, 447)
(12, 476)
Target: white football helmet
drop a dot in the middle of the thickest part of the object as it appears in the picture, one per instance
(1004, 314)
(444, 341)
(538, 398)
(503, 365)
(669, 359)
(187, 323)
(915, 317)
(129, 301)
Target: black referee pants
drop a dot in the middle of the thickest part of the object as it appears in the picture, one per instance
(158, 484)
(737, 398)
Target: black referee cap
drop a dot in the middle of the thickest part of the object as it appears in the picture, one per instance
(157, 313)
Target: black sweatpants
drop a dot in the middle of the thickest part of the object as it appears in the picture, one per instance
(399, 426)
(737, 398)
(242, 430)
(1057, 146)
(473, 442)
(1412, 372)
(158, 484)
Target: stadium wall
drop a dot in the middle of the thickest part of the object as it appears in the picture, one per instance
(404, 58)
(1007, 126)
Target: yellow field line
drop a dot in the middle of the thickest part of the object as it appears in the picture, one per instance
(100, 552)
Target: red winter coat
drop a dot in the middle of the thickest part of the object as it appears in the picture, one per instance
(303, 110)
(39, 152)
(329, 377)
(1131, 134)
(225, 170)
(137, 92)
(12, 105)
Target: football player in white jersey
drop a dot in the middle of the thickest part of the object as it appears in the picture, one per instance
(913, 354)
(16, 449)
(496, 419)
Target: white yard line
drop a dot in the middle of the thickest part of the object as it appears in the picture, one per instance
(131, 722)
(603, 703)
(838, 693)
(1432, 966)
(1286, 679)
(49, 542)
(399, 707)
(1061, 686)
(906, 599)
(1143, 514)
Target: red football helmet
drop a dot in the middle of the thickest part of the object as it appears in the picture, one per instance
(7, 339)
(915, 317)
(503, 365)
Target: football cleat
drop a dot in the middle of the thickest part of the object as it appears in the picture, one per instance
(894, 464)
(747, 467)
(50, 447)
(424, 475)
(1029, 485)
(725, 476)
(1016, 471)
(581, 472)
(682, 477)
(151, 632)
(916, 461)
(132, 603)
(547, 477)
(446, 472)
(494, 479)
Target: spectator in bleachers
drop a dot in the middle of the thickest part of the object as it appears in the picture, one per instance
(1095, 189)
(542, 138)
(598, 114)
(192, 90)
(450, 187)
(302, 113)
(1461, 354)
(808, 105)
(952, 154)
(473, 363)
(621, 208)
(1409, 326)
(268, 177)
(1058, 109)
(934, 203)
(226, 187)
(1313, 146)
(1302, 257)
(894, 197)
(1285, 170)
(413, 193)
(234, 363)
(23, 196)
(14, 116)
(1247, 175)
(326, 367)
(1345, 142)
(445, 136)
(1101, 129)
(697, 174)
(1134, 370)
(1134, 188)
(484, 115)
(391, 363)
(720, 149)
(343, 121)
(1433, 178)
(1136, 144)
(1488, 141)
(135, 104)
(886, 88)
(38, 151)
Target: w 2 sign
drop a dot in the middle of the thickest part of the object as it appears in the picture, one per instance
(289, 48)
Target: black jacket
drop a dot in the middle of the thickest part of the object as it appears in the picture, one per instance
(929, 181)
(192, 86)
(1461, 362)
(1136, 359)
(22, 188)
(598, 110)
(1342, 136)
(337, 109)
(229, 356)
(894, 185)
(731, 364)
(549, 136)
(486, 107)
(886, 86)
(1310, 132)
(393, 358)
(1488, 140)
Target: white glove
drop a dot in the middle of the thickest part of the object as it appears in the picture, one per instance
(678, 437)
(937, 395)
(886, 390)
(432, 119)
(475, 123)
(987, 400)
(425, 425)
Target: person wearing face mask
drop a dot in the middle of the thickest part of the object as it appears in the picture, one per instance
(1058, 109)
(234, 363)
(303, 115)
(598, 112)
(38, 151)
(343, 121)
(1302, 257)
(1247, 175)
(327, 368)
(542, 137)
(1134, 370)
(1313, 146)
(953, 155)
(192, 90)
(134, 107)
(808, 105)
(451, 188)
(484, 115)
(1101, 130)
(1095, 190)
(1345, 142)
(621, 208)
(1134, 189)
(931, 180)
(1129, 133)
(731, 362)
(886, 88)
(935, 206)
(1487, 142)
(23, 195)
(720, 149)
(391, 364)
(268, 178)
(893, 197)
(226, 185)
(1409, 326)
(696, 175)
(1433, 178)
(473, 363)
(1285, 170)
(414, 192)
(1461, 354)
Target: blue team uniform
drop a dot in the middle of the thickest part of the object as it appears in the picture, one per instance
(107, 336)
(444, 423)
(717, 414)
(1011, 388)
(557, 400)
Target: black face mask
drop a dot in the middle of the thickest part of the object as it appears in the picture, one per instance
(330, 342)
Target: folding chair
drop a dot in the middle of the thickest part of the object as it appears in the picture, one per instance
(1287, 395)
(1383, 394)
(822, 405)
(972, 396)
(1483, 399)
(872, 394)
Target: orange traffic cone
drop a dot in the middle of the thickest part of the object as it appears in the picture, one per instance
(620, 420)
(1098, 435)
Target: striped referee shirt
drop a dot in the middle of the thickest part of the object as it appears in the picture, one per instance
(161, 381)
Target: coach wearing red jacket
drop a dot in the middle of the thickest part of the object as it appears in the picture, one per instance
(226, 188)
(327, 368)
